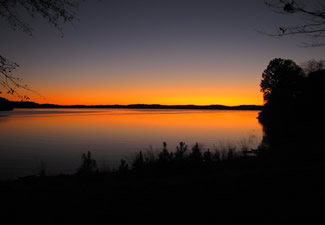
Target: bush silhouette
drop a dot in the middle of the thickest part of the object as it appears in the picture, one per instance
(196, 154)
(89, 165)
(180, 151)
(165, 156)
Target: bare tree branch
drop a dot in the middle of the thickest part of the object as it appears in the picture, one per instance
(312, 65)
(314, 25)
(55, 12)
(10, 83)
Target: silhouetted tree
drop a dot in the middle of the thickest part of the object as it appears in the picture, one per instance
(207, 156)
(196, 154)
(180, 151)
(281, 78)
(313, 23)
(138, 162)
(313, 65)
(283, 89)
(314, 93)
(88, 165)
(123, 167)
(216, 156)
(55, 12)
(165, 155)
(292, 118)
(5, 104)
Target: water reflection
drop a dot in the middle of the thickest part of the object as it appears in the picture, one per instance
(57, 138)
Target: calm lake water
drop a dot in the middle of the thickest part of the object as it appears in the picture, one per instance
(54, 139)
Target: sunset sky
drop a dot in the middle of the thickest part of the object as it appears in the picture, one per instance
(153, 52)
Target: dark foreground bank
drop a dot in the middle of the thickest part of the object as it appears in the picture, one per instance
(186, 186)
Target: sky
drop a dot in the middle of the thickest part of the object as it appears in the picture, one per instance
(169, 52)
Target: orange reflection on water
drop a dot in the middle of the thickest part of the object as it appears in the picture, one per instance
(58, 137)
(147, 126)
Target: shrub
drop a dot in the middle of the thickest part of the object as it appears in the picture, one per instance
(89, 165)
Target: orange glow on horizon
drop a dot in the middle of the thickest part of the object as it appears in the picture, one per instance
(163, 88)
(198, 96)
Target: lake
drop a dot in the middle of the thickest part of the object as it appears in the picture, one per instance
(54, 139)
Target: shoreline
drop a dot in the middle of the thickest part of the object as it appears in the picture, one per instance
(19, 105)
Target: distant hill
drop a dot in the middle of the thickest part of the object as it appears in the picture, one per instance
(5, 105)
(137, 106)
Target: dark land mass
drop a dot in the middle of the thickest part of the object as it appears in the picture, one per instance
(5, 105)
(173, 188)
(282, 181)
(19, 104)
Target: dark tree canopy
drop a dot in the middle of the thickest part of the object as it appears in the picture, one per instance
(55, 12)
(313, 65)
(5, 104)
(281, 75)
(313, 19)
(291, 95)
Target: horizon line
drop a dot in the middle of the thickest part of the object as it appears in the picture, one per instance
(25, 104)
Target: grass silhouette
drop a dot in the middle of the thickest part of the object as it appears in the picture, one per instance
(187, 185)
